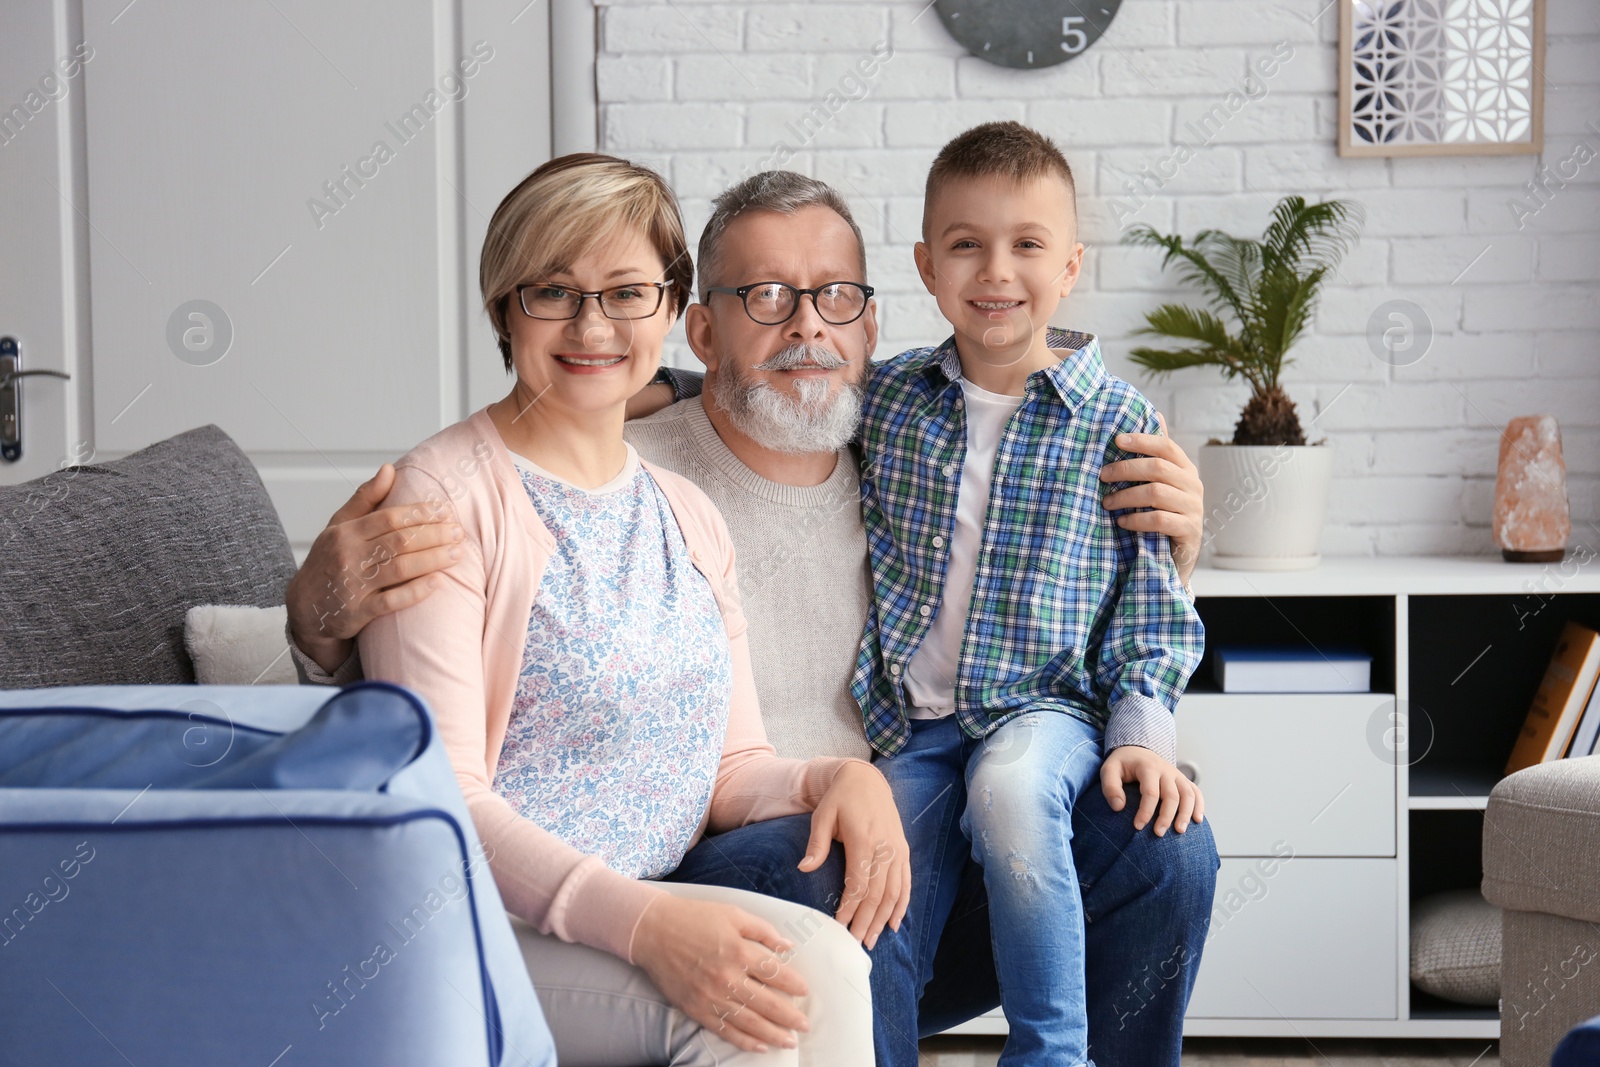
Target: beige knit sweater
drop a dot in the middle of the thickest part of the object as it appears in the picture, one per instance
(803, 577)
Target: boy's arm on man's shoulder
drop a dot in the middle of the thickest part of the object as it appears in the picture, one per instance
(684, 383)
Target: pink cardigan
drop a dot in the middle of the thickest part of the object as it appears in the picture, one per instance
(462, 649)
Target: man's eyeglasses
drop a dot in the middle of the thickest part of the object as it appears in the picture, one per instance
(774, 303)
(546, 300)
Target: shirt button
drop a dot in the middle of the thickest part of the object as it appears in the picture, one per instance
(938, 542)
(924, 611)
(959, 403)
(949, 470)
(894, 668)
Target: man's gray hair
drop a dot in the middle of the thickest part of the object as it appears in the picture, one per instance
(782, 191)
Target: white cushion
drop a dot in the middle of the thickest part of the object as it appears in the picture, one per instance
(233, 645)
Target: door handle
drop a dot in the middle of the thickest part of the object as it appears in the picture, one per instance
(11, 397)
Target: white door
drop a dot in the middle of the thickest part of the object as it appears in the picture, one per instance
(264, 214)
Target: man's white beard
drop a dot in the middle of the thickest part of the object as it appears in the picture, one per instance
(812, 422)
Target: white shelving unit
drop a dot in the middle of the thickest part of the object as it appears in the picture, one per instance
(1318, 947)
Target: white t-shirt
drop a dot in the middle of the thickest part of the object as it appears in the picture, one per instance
(930, 678)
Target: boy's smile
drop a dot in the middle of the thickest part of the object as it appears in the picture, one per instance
(999, 256)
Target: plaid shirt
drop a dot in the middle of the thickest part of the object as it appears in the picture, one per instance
(1069, 611)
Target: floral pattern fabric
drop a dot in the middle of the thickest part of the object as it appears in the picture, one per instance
(621, 709)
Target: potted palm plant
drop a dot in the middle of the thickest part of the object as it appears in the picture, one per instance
(1266, 492)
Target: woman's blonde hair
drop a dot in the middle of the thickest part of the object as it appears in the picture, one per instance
(564, 208)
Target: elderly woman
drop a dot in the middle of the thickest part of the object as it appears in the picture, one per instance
(588, 666)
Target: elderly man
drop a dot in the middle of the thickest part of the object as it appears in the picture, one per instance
(786, 327)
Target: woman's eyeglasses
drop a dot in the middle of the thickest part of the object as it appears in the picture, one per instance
(546, 300)
(774, 303)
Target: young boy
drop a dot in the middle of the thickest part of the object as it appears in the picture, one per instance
(1018, 628)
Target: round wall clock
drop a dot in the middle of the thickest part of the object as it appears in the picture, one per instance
(1026, 33)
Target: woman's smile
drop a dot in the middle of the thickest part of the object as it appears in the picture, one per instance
(575, 363)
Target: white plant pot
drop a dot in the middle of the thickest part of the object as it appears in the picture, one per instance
(1265, 504)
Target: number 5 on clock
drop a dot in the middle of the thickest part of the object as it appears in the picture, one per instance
(1073, 40)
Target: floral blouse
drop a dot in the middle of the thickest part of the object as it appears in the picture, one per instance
(622, 703)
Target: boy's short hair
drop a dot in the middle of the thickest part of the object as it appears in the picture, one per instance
(1008, 149)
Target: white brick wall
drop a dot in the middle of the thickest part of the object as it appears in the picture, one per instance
(704, 91)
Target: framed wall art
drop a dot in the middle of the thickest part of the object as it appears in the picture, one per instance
(1441, 77)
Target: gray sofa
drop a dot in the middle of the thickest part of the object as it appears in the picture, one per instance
(100, 562)
(1541, 864)
(280, 833)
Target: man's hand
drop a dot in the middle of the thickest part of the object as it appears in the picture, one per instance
(1159, 783)
(721, 966)
(366, 563)
(858, 810)
(1171, 486)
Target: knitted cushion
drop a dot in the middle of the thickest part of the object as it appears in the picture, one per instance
(1455, 947)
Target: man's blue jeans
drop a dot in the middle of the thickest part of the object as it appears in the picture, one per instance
(1146, 903)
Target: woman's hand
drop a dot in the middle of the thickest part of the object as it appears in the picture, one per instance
(722, 967)
(1171, 486)
(858, 810)
(1161, 785)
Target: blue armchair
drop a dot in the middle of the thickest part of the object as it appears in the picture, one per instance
(227, 874)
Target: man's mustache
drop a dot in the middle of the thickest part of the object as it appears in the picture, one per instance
(796, 356)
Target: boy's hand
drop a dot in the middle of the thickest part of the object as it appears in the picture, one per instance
(1159, 783)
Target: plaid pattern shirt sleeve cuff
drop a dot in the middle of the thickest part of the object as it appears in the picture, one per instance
(685, 383)
(1140, 720)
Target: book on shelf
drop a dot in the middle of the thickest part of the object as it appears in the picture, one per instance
(1276, 669)
(1583, 738)
(1560, 699)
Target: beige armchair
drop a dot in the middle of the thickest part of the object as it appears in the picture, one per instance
(1541, 864)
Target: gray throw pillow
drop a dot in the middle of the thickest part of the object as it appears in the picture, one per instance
(99, 563)
(1455, 947)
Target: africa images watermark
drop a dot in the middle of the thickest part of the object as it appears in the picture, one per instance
(370, 571)
(853, 85)
(1251, 887)
(1148, 183)
(799, 931)
(53, 889)
(49, 89)
(342, 188)
(1551, 580)
(452, 888)
(1543, 187)
(1254, 485)
(1543, 988)
(50, 489)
